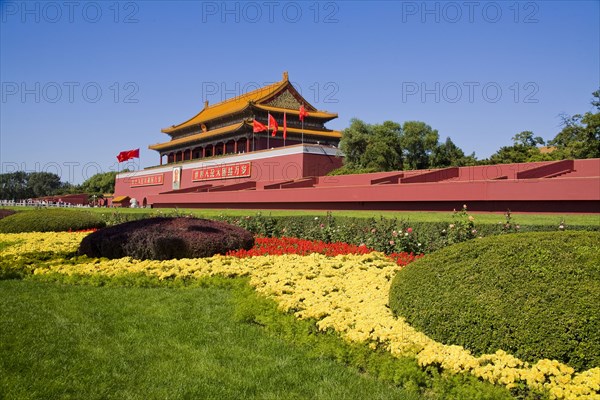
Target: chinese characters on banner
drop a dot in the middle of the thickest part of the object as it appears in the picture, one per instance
(227, 171)
(147, 180)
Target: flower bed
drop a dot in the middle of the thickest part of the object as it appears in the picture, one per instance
(287, 245)
(56, 242)
(348, 293)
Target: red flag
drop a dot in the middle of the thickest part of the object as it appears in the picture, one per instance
(128, 154)
(303, 113)
(284, 126)
(258, 127)
(273, 125)
(134, 153)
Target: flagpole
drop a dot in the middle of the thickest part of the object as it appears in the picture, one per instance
(268, 127)
(253, 134)
(302, 120)
(284, 127)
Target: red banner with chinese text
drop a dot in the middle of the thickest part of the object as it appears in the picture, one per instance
(147, 180)
(227, 171)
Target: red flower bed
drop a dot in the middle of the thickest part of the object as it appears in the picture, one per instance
(287, 245)
(404, 258)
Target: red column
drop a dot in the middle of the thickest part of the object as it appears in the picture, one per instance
(224, 147)
(214, 149)
(203, 152)
(247, 145)
(235, 149)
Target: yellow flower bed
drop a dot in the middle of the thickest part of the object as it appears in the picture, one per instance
(36, 241)
(348, 293)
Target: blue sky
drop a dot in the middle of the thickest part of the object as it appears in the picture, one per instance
(82, 81)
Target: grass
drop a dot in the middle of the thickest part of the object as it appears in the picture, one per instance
(73, 342)
(413, 216)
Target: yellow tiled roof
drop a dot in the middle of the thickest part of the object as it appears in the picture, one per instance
(196, 137)
(120, 199)
(310, 132)
(233, 128)
(239, 103)
(318, 114)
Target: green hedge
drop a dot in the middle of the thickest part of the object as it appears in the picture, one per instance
(50, 220)
(376, 233)
(534, 295)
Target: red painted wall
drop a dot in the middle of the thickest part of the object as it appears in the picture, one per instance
(265, 170)
(282, 182)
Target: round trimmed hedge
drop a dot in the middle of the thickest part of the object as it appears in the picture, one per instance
(50, 220)
(534, 295)
(6, 212)
(166, 238)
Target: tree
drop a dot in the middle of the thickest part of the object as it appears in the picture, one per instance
(524, 149)
(448, 154)
(580, 136)
(100, 183)
(418, 141)
(526, 139)
(511, 154)
(13, 186)
(371, 148)
(23, 185)
(384, 148)
(42, 184)
(354, 143)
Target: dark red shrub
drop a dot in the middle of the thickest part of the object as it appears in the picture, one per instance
(6, 213)
(166, 238)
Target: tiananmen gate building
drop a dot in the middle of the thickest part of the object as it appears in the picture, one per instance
(270, 149)
(227, 127)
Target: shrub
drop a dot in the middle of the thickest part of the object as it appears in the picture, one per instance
(462, 227)
(5, 213)
(50, 220)
(534, 295)
(166, 238)
(388, 235)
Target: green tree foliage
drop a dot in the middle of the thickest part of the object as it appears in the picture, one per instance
(100, 183)
(526, 139)
(392, 147)
(354, 142)
(13, 185)
(448, 154)
(418, 140)
(524, 149)
(384, 150)
(43, 183)
(372, 147)
(23, 185)
(580, 136)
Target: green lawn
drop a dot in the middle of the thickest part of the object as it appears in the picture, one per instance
(83, 342)
(414, 216)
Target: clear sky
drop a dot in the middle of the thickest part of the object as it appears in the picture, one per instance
(84, 80)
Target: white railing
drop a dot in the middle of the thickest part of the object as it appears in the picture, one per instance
(37, 203)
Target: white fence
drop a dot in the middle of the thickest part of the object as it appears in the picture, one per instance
(37, 203)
